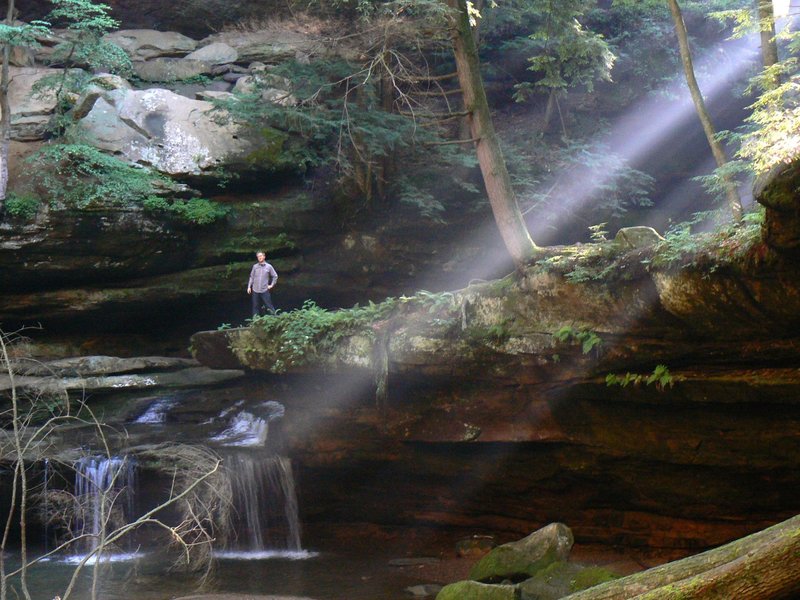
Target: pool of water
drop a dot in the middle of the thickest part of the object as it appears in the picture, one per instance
(317, 575)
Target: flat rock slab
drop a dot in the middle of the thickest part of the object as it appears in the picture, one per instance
(192, 377)
(86, 366)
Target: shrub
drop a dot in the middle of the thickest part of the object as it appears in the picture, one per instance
(23, 207)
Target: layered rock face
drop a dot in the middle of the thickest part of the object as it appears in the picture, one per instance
(118, 266)
(501, 416)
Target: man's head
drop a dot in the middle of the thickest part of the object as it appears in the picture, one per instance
(261, 256)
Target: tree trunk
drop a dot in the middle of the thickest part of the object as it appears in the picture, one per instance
(766, 21)
(732, 194)
(5, 109)
(490, 157)
(759, 567)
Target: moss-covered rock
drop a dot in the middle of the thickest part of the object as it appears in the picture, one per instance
(561, 579)
(526, 557)
(472, 590)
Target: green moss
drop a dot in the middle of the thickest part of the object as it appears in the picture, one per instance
(507, 562)
(590, 577)
(471, 590)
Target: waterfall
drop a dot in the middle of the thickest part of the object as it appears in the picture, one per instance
(157, 411)
(265, 516)
(104, 489)
(46, 499)
(246, 428)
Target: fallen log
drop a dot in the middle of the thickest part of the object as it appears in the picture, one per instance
(760, 566)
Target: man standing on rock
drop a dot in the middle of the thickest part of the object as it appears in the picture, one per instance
(263, 278)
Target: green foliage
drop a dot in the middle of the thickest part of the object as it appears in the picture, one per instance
(311, 330)
(591, 262)
(700, 242)
(22, 206)
(588, 339)
(198, 211)
(434, 300)
(83, 16)
(83, 177)
(598, 232)
(25, 34)
(563, 52)
(774, 124)
(338, 119)
(660, 376)
(617, 187)
(85, 23)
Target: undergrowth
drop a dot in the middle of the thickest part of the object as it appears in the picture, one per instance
(310, 331)
(79, 176)
(660, 377)
(724, 244)
(298, 336)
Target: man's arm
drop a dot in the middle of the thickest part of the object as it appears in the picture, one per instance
(273, 277)
(250, 281)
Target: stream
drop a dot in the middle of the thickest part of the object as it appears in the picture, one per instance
(267, 552)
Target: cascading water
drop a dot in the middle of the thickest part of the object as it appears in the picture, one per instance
(104, 491)
(265, 516)
(157, 411)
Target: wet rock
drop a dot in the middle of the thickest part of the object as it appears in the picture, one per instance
(216, 53)
(413, 561)
(472, 590)
(191, 377)
(145, 44)
(241, 597)
(561, 579)
(524, 558)
(85, 366)
(424, 590)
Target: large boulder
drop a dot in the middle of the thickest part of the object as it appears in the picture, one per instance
(171, 69)
(173, 134)
(524, 558)
(561, 579)
(472, 590)
(144, 44)
(31, 108)
(217, 53)
(270, 46)
(777, 191)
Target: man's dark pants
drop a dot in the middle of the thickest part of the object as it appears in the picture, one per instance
(262, 299)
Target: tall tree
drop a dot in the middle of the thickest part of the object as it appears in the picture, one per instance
(5, 118)
(766, 25)
(731, 191)
(487, 146)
